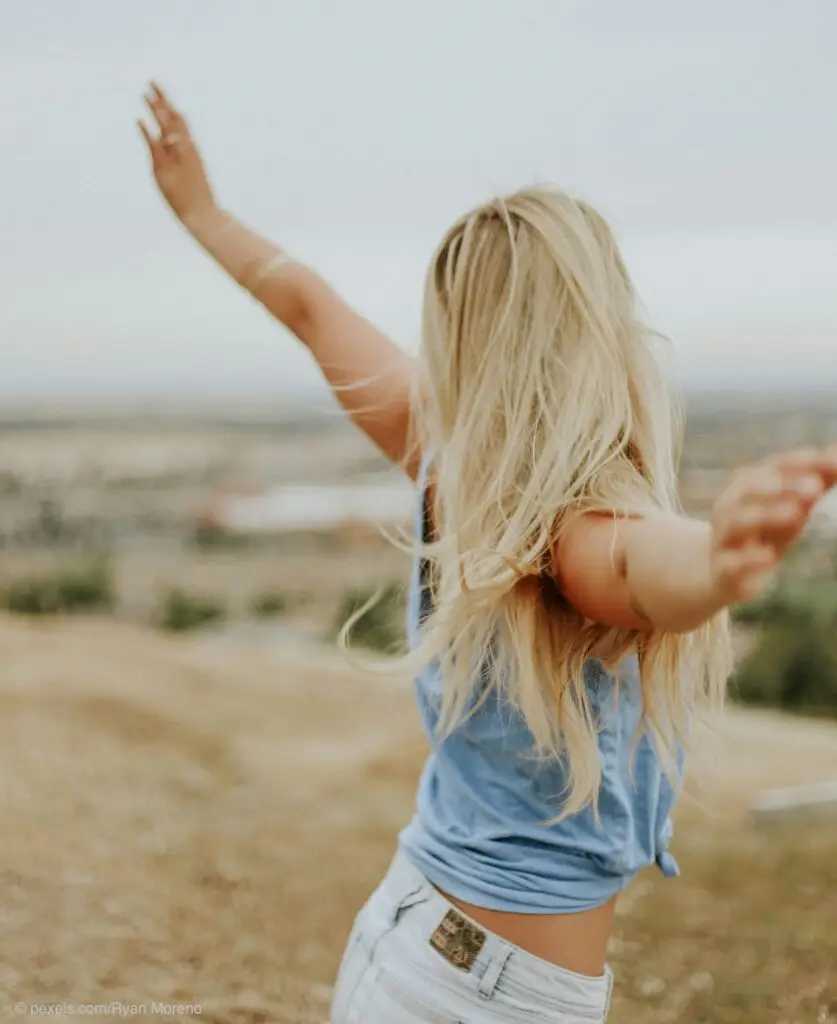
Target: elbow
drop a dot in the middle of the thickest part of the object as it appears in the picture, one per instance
(288, 298)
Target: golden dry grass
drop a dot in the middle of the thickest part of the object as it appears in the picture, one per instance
(188, 822)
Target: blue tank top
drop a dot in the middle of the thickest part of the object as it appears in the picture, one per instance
(480, 829)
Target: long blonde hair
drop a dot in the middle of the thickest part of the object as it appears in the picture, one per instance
(545, 397)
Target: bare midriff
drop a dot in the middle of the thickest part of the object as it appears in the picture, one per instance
(577, 942)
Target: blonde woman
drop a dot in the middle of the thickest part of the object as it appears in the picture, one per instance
(566, 620)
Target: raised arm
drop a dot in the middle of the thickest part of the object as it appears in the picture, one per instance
(373, 378)
(672, 573)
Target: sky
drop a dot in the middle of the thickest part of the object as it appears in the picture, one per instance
(354, 133)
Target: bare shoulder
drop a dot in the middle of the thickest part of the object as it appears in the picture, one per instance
(589, 563)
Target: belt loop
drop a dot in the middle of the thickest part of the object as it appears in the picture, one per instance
(609, 974)
(488, 982)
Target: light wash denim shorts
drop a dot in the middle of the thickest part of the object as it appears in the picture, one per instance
(413, 957)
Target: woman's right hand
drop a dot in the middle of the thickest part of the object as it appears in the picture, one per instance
(178, 169)
(762, 512)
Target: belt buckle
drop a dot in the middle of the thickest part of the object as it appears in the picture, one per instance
(458, 940)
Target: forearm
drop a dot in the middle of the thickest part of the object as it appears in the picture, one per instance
(259, 266)
(671, 573)
(371, 377)
(667, 568)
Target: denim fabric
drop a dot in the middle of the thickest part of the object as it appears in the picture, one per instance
(393, 972)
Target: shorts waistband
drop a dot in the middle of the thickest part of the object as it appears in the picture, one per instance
(470, 947)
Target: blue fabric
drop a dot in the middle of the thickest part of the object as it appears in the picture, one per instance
(480, 830)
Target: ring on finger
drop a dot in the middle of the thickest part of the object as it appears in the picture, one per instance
(172, 139)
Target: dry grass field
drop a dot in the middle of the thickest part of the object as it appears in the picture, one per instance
(190, 822)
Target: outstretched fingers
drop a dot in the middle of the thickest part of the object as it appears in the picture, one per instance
(168, 117)
(170, 141)
(761, 514)
(818, 462)
(769, 504)
(746, 570)
(155, 146)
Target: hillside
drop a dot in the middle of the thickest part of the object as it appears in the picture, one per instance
(191, 822)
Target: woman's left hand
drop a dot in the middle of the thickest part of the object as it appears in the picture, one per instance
(178, 168)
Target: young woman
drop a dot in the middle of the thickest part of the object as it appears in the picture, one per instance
(566, 620)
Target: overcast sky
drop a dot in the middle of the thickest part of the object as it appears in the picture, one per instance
(355, 132)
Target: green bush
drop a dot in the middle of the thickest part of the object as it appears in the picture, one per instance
(268, 605)
(771, 609)
(794, 667)
(210, 538)
(181, 612)
(82, 588)
(32, 597)
(89, 588)
(381, 626)
(815, 603)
